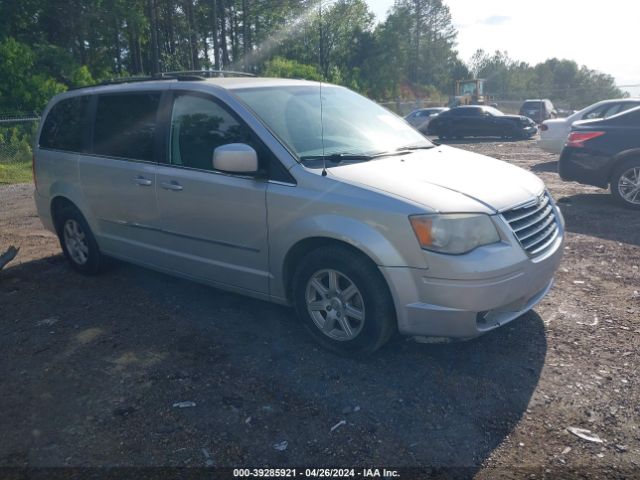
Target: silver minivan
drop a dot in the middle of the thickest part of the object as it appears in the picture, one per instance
(297, 193)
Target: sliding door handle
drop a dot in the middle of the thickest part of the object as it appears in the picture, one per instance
(173, 185)
(144, 182)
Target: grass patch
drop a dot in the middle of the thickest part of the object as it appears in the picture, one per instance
(15, 172)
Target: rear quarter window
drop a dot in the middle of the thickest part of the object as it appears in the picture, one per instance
(65, 125)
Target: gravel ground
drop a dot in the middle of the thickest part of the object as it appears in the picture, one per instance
(92, 367)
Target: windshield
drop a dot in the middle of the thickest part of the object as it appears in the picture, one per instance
(493, 111)
(531, 106)
(352, 124)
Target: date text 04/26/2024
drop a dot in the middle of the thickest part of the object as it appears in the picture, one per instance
(315, 473)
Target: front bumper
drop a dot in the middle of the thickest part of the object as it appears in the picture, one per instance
(468, 307)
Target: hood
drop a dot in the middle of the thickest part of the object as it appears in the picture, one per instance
(446, 179)
(514, 117)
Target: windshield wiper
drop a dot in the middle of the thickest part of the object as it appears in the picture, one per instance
(410, 148)
(338, 157)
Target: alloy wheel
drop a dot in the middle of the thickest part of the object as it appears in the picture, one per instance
(629, 185)
(75, 241)
(335, 304)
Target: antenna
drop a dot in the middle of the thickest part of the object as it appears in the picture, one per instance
(324, 160)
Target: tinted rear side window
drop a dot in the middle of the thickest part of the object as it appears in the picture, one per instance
(64, 127)
(125, 125)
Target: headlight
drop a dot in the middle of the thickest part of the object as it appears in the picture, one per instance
(454, 233)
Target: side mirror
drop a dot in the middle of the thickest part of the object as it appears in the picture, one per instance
(235, 158)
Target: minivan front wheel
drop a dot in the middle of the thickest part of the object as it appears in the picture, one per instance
(78, 243)
(625, 184)
(343, 300)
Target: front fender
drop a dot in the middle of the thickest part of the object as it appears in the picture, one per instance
(366, 236)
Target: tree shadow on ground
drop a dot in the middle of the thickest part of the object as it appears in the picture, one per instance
(94, 366)
(599, 215)
(551, 167)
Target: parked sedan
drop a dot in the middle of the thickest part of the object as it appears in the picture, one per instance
(420, 119)
(606, 152)
(481, 121)
(553, 133)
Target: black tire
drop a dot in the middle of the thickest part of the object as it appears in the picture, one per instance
(70, 217)
(379, 322)
(455, 134)
(622, 169)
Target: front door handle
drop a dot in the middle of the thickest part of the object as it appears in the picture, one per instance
(173, 185)
(144, 182)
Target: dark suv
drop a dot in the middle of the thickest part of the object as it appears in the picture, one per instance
(606, 152)
(538, 110)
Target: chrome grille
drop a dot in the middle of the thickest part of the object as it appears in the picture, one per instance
(535, 226)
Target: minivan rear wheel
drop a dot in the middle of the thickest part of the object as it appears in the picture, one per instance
(78, 243)
(625, 183)
(343, 301)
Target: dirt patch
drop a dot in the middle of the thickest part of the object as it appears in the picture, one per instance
(92, 367)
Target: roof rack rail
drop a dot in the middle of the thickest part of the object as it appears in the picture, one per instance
(186, 75)
(208, 73)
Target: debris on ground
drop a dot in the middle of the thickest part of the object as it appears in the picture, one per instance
(281, 446)
(338, 425)
(7, 256)
(208, 460)
(585, 434)
(186, 404)
(592, 324)
(47, 322)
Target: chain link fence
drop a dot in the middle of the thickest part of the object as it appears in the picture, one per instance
(16, 139)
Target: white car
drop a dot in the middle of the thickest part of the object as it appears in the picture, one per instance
(554, 132)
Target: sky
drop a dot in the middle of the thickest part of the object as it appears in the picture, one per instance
(603, 36)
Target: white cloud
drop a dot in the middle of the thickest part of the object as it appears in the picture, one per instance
(602, 36)
(495, 20)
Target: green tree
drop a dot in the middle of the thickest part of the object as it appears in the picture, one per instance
(283, 68)
(22, 90)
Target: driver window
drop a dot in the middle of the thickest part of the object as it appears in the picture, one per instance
(198, 126)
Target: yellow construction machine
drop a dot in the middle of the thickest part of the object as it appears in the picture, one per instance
(469, 92)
